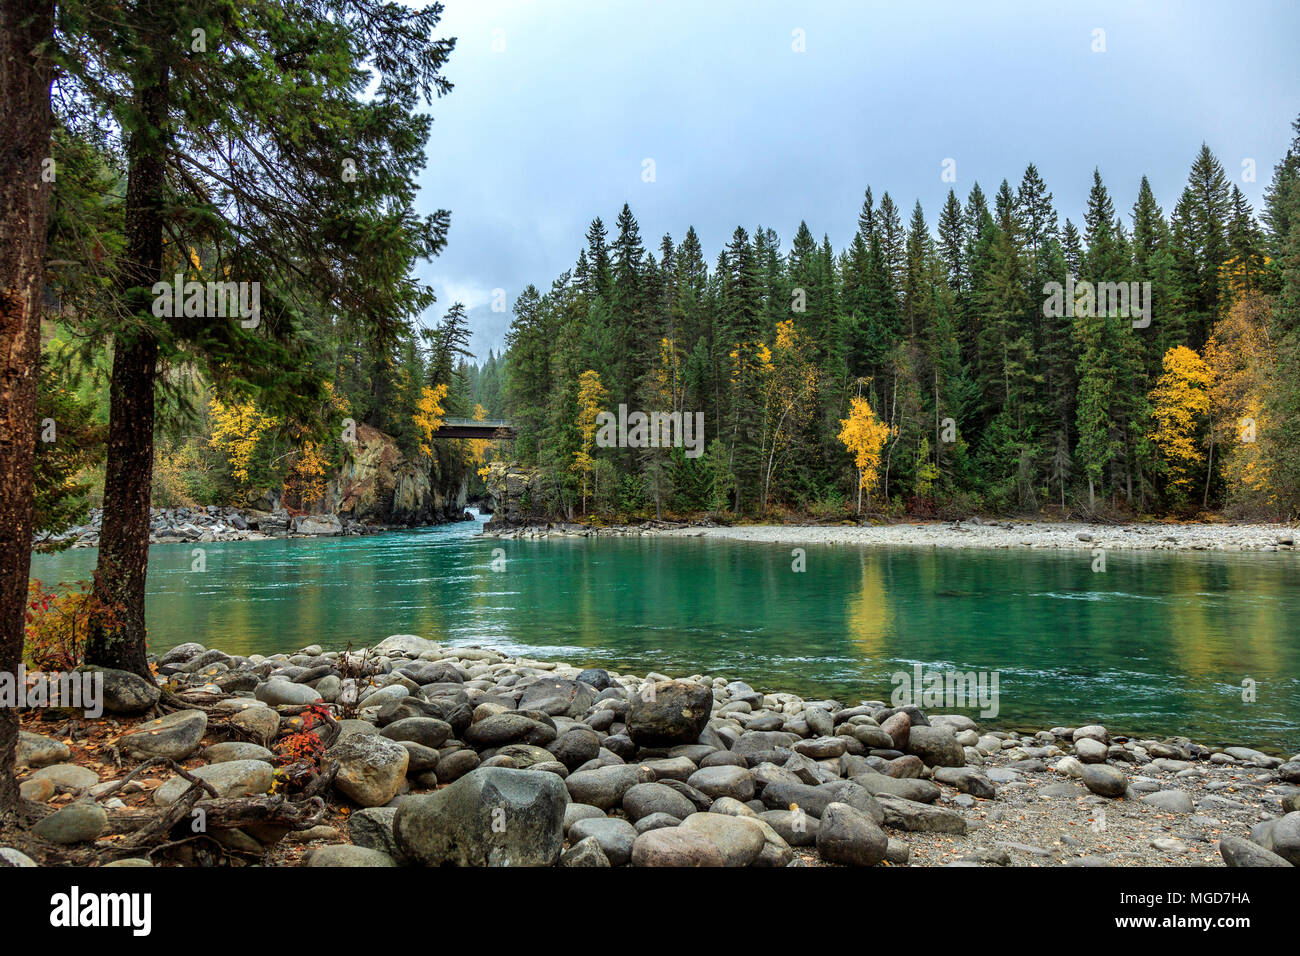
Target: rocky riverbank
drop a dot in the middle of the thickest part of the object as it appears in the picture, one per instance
(209, 524)
(419, 754)
(971, 533)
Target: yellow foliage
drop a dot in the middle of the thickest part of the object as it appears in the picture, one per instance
(306, 477)
(1241, 357)
(1179, 402)
(478, 447)
(864, 435)
(591, 398)
(429, 415)
(236, 430)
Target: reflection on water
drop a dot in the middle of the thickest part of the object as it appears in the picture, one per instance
(1158, 642)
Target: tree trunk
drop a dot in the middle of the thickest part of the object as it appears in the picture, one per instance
(25, 123)
(124, 537)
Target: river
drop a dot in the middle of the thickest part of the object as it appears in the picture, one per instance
(1157, 644)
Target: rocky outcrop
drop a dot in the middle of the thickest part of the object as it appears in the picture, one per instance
(376, 488)
(377, 484)
(514, 491)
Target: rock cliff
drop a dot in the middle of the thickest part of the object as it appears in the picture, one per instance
(377, 484)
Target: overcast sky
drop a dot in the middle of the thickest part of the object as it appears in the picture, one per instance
(558, 105)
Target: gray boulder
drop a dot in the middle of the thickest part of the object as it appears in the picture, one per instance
(558, 697)
(850, 837)
(371, 768)
(127, 693)
(675, 712)
(936, 746)
(492, 816)
(173, 736)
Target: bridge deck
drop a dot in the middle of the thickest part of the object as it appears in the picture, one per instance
(469, 428)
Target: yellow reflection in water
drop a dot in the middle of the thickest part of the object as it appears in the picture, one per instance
(869, 615)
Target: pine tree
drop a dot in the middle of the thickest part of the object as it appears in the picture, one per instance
(26, 35)
(951, 235)
(278, 167)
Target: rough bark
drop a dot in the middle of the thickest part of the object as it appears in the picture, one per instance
(124, 536)
(25, 123)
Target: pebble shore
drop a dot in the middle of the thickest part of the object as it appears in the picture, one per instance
(466, 756)
(972, 533)
(205, 525)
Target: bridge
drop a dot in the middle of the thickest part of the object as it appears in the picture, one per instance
(471, 428)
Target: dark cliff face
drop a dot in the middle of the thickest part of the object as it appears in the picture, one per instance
(377, 484)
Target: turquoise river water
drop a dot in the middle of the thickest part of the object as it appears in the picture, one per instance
(1158, 644)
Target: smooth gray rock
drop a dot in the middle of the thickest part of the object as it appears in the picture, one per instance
(75, 823)
(36, 750)
(604, 787)
(936, 746)
(492, 816)
(920, 817)
(585, 852)
(1238, 852)
(372, 769)
(739, 840)
(675, 847)
(236, 750)
(675, 713)
(173, 736)
(1174, 801)
(849, 837)
(645, 799)
(967, 780)
(345, 854)
(558, 696)
(275, 692)
(125, 692)
(1105, 780)
(614, 835)
(735, 782)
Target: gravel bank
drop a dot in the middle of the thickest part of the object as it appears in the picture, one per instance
(974, 533)
(433, 747)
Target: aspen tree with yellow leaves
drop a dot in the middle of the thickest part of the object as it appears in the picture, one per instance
(237, 428)
(1180, 407)
(864, 435)
(1243, 359)
(478, 447)
(591, 399)
(429, 414)
(791, 384)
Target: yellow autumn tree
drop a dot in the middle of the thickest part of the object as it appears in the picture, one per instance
(306, 478)
(428, 415)
(237, 428)
(591, 399)
(864, 435)
(305, 481)
(790, 385)
(1180, 403)
(1242, 359)
(478, 447)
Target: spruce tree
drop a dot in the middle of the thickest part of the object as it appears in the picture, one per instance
(260, 139)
